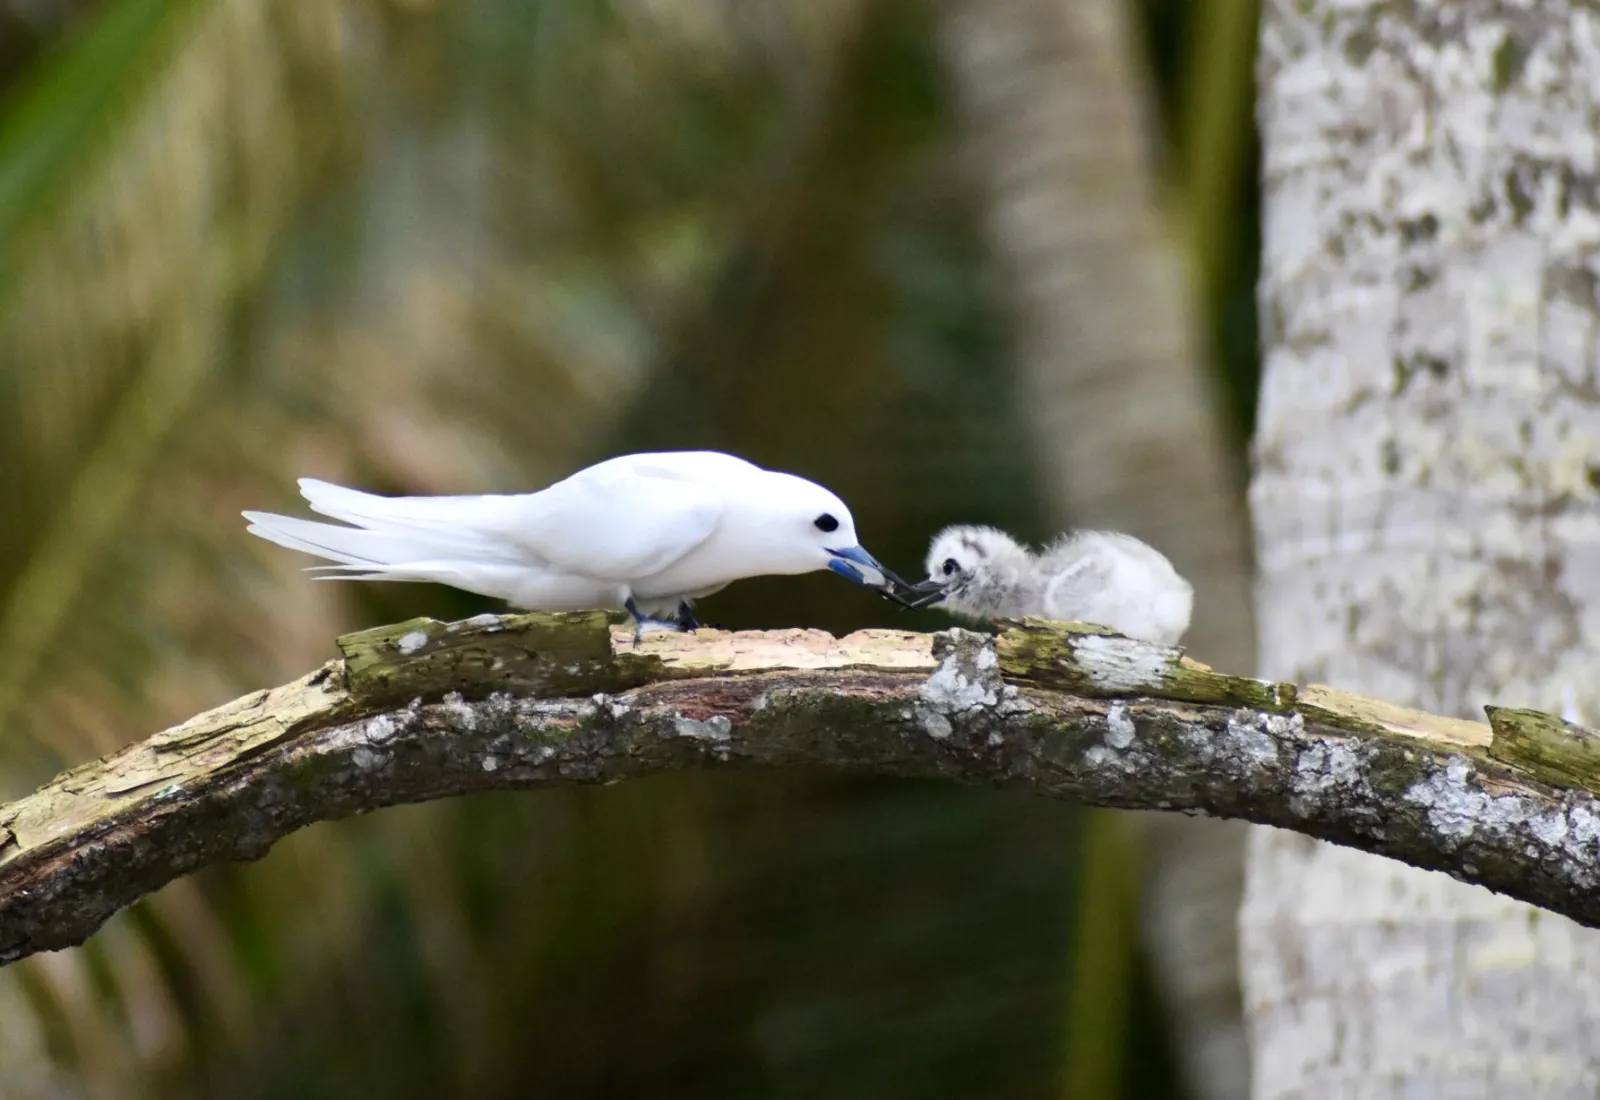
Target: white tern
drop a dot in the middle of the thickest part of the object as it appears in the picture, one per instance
(1101, 577)
(648, 533)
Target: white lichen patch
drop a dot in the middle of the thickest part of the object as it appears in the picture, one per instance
(1098, 756)
(1583, 829)
(378, 728)
(491, 763)
(967, 680)
(1012, 702)
(611, 705)
(366, 759)
(950, 688)
(1253, 737)
(1103, 758)
(1550, 829)
(1122, 666)
(1326, 766)
(1254, 744)
(717, 729)
(934, 724)
(1457, 808)
(503, 708)
(1119, 727)
(412, 642)
(461, 713)
(1285, 725)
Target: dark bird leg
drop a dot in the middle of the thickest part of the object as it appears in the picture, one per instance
(643, 622)
(686, 619)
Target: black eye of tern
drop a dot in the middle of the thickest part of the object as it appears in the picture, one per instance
(950, 566)
(826, 522)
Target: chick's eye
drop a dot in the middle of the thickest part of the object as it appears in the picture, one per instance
(950, 566)
(826, 522)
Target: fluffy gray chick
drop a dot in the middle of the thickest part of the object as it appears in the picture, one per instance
(1101, 577)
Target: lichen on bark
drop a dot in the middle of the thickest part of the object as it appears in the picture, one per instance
(589, 706)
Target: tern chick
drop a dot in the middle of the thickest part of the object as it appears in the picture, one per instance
(1101, 577)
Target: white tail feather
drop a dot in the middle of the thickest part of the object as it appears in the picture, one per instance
(346, 545)
(428, 514)
(373, 554)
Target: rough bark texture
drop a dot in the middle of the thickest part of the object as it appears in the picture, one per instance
(1425, 507)
(1121, 419)
(425, 710)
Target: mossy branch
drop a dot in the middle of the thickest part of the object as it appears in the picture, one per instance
(426, 710)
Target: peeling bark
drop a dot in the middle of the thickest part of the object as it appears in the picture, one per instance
(428, 710)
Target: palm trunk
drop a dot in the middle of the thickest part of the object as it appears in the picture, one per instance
(1425, 509)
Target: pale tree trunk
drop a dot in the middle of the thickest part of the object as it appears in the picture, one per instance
(1124, 426)
(1425, 508)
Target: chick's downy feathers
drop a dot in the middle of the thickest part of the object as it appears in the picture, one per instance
(1103, 577)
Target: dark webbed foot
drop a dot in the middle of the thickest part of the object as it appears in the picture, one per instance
(644, 624)
(686, 619)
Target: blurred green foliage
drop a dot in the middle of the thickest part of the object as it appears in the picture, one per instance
(445, 247)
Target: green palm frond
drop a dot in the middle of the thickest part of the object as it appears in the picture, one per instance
(61, 125)
(140, 186)
(146, 171)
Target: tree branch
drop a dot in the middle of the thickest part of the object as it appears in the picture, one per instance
(425, 710)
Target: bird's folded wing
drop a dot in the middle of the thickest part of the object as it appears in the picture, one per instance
(610, 524)
(1073, 572)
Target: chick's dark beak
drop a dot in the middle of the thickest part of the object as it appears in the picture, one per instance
(925, 593)
(850, 561)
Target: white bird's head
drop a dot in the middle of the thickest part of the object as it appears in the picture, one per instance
(804, 527)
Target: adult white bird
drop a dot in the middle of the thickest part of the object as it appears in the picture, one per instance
(1102, 577)
(647, 533)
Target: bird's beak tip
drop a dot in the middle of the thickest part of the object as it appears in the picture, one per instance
(889, 585)
(927, 593)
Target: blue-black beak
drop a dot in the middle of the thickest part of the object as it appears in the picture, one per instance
(888, 585)
(924, 594)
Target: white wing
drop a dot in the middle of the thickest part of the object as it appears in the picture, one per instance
(618, 520)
